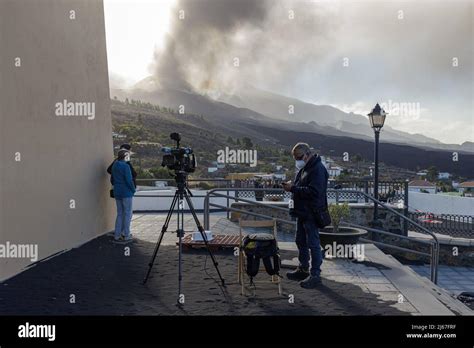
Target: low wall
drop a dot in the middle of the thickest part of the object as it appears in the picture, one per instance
(360, 213)
(453, 251)
(441, 204)
(162, 202)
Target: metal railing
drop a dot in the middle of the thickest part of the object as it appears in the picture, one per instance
(434, 250)
(452, 224)
(388, 190)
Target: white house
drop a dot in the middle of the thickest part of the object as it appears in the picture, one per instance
(422, 173)
(443, 175)
(334, 171)
(161, 183)
(421, 186)
(467, 188)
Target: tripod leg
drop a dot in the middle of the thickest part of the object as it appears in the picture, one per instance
(180, 233)
(163, 230)
(204, 238)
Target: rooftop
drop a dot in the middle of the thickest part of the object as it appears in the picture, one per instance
(105, 280)
(467, 184)
(423, 183)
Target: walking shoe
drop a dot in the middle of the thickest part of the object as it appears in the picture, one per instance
(129, 238)
(311, 282)
(298, 274)
(119, 239)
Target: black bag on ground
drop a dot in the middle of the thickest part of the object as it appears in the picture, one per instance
(322, 216)
(261, 246)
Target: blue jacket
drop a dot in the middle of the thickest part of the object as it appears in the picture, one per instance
(122, 180)
(309, 189)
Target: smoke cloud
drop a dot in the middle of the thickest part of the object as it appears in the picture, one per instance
(221, 45)
(396, 50)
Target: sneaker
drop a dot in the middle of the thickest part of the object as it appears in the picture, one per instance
(119, 239)
(298, 274)
(129, 238)
(311, 282)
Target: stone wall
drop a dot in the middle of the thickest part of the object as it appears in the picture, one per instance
(360, 213)
(453, 251)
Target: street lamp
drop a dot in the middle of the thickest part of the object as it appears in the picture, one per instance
(377, 120)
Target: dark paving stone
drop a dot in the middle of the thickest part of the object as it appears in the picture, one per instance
(106, 282)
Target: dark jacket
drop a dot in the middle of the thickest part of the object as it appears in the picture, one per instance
(309, 189)
(134, 173)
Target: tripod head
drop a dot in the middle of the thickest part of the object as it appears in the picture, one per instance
(181, 182)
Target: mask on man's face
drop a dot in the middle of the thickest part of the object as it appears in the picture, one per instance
(299, 164)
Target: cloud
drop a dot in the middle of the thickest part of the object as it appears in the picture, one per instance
(400, 51)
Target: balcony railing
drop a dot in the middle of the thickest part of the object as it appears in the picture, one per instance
(433, 255)
(453, 225)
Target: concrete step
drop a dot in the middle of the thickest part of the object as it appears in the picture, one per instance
(445, 297)
(425, 296)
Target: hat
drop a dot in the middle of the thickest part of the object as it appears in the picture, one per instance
(122, 153)
(127, 147)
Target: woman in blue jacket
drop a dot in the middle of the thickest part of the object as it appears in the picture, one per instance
(124, 189)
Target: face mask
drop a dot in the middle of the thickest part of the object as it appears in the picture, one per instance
(299, 164)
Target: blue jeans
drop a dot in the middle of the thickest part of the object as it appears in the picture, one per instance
(307, 240)
(124, 216)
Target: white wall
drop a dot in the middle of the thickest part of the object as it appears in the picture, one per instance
(441, 204)
(62, 158)
(431, 190)
(164, 203)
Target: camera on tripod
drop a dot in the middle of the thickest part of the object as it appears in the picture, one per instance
(180, 159)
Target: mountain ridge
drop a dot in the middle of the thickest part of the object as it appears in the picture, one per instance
(272, 109)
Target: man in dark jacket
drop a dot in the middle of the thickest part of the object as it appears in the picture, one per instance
(308, 194)
(127, 159)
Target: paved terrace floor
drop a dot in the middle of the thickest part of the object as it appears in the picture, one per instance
(103, 280)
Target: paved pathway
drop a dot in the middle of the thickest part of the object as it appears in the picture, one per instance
(104, 278)
(454, 279)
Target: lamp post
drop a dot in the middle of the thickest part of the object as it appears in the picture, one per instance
(377, 120)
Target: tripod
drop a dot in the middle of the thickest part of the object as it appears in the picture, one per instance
(181, 192)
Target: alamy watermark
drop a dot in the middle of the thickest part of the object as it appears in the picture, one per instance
(351, 251)
(404, 109)
(20, 251)
(84, 109)
(230, 156)
(28, 330)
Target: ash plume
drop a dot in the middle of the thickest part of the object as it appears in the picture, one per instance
(202, 48)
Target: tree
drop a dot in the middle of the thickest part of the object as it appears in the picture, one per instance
(357, 159)
(432, 174)
(247, 143)
(230, 140)
(160, 173)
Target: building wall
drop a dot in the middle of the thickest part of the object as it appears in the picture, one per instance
(53, 184)
(441, 204)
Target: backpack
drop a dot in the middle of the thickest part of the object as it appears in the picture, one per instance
(261, 246)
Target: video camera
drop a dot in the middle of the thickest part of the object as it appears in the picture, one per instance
(179, 159)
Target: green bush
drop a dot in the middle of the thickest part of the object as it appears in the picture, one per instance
(338, 212)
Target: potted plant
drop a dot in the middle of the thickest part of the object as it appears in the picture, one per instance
(339, 234)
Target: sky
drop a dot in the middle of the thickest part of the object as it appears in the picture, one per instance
(415, 57)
